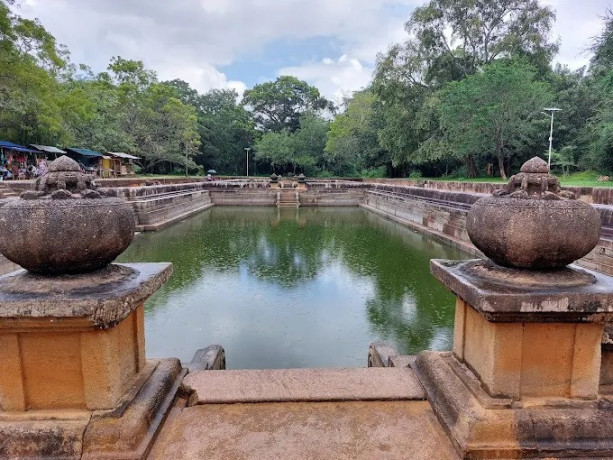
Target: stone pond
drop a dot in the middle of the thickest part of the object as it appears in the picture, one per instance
(530, 367)
(307, 287)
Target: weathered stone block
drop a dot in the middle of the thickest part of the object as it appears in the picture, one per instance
(62, 350)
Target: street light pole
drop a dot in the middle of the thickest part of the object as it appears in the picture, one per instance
(552, 110)
(247, 151)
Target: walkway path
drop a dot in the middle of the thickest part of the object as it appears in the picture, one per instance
(366, 413)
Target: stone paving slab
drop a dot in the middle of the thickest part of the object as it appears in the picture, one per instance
(301, 430)
(359, 384)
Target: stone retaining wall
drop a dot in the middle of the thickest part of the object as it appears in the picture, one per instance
(442, 214)
(244, 197)
(158, 211)
(331, 197)
(596, 195)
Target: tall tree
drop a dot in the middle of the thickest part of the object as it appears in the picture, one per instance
(226, 129)
(353, 143)
(494, 113)
(30, 61)
(295, 151)
(598, 132)
(450, 40)
(278, 105)
(602, 46)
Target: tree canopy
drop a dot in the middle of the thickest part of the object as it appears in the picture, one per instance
(462, 95)
(279, 104)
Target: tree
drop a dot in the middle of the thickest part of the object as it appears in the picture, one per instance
(450, 40)
(298, 150)
(30, 61)
(278, 105)
(599, 129)
(169, 129)
(226, 129)
(309, 141)
(493, 113)
(276, 148)
(575, 94)
(159, 126)
(602, 46)
(598, 132)
(353, 142)
(90, 110)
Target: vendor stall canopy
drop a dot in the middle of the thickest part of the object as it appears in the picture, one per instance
(85, 152)
(48, 149)
(127, 156)
(16, 147)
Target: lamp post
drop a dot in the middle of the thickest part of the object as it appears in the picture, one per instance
(552, 110)
(247, 158)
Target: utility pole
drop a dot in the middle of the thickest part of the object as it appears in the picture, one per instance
(247, 151)
(552, 110)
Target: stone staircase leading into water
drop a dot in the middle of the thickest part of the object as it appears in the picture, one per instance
(288, 199)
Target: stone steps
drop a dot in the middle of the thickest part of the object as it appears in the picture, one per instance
(288, 199)
(277, 385)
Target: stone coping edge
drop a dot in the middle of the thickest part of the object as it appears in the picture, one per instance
(64, 305)
(550, 304)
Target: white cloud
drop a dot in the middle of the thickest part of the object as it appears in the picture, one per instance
(334, 78)
(202, 78)
(576, 24)
(192, 39)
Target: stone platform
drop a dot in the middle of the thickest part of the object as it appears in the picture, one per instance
(314, 413)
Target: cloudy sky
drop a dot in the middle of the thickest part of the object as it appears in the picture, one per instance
(238, 43)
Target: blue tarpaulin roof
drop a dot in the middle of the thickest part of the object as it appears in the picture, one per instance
(16, 147)
(86, 152)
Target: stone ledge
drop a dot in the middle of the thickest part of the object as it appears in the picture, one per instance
(126, 434)
(87, 301)
(281, 385)
(542, 428)
(165, 223)
(507, 303)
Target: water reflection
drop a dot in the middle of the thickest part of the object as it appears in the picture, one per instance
(294, 287)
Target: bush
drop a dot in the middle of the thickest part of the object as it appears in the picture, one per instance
(373, 173)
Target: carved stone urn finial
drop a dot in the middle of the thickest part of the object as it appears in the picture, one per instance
(532, 222)
(65, 225)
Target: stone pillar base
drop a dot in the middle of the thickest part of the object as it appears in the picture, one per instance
(127, 431)
(482, 426)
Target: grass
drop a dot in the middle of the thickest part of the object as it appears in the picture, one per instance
(577, 179)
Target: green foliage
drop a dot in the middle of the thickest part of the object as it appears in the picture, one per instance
(565, 159)
(353, 142)
(463, 93)
(279, 104)
(302, 149)
(494, 113)
(602, 46)
(450, 40)
(30, 61)
(225, 128)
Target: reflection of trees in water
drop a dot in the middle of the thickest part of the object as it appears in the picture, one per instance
(289, 247)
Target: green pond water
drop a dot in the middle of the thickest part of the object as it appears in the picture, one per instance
(286, 288)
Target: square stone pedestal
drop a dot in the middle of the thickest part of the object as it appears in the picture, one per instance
(524, 375)
(73, 358)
